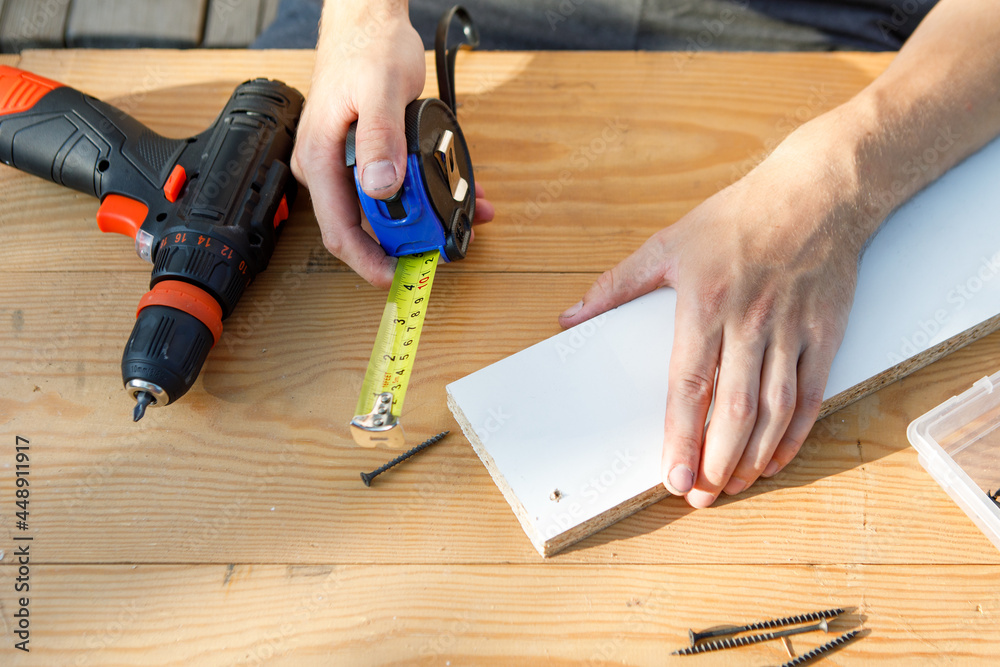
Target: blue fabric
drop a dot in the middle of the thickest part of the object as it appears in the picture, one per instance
(765, 25)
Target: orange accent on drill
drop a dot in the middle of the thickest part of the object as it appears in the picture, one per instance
(206, 211)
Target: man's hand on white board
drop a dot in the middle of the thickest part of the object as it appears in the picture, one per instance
(765, 269)
(765, 273)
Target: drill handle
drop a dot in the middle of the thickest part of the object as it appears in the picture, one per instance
(60, 134)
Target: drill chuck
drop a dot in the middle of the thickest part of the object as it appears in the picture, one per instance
(176, 326)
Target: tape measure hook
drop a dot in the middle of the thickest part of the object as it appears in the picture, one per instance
(379, 426)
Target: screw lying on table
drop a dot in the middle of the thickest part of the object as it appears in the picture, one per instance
(367, 477)
(764, 625)
(733, 642)
(822, 650)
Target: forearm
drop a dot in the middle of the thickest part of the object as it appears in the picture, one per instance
(938, 102)
(352, 25)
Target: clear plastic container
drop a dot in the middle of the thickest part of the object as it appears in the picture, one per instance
(959, 444)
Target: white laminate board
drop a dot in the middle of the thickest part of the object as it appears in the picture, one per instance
(582, 412)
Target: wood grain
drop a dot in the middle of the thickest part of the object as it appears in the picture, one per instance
(277, 391)
(685, 135)
(33, 24)
(136, 526)
(117, 616)
(232, 23)
(132, 23)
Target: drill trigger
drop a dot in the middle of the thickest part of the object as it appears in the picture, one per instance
(121, 215)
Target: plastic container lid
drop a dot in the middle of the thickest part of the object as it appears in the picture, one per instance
(958, 442)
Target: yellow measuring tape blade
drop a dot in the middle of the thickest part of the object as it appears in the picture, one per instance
(395, 350)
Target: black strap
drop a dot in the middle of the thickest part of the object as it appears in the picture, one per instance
(446, 56)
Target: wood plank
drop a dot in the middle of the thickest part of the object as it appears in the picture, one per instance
(135, 23)
(265, 427)
(492, 615)
(232, 23)
(674, 132)
(31, 24)
(11, 59)
(575, 408)
(268, 12)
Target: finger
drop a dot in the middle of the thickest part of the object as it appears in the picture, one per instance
(693, 361)
(813, 371)
(335, 202)
(381, 141)
(733, 418)
(774, 413)
(484, 211)
(639, 273)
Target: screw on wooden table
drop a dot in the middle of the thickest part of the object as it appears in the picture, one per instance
(367, 477)
(734, 642)
(822, 650)
(763, 625)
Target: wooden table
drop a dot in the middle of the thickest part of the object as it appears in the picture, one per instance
(232, 528)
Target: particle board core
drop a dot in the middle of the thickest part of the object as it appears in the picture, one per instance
(582, 412)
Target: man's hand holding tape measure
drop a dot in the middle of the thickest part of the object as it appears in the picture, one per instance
(406, 162)
(369, 67)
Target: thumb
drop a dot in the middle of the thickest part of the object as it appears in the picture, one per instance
(639, 273)
(381, 145)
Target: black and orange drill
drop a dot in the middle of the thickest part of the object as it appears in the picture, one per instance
(206, 211)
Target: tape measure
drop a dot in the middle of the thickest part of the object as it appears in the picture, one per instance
(430, 218)
(395, 352)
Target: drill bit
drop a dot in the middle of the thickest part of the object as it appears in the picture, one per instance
(142, 400)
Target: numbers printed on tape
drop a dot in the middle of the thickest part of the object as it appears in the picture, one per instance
(395, 350)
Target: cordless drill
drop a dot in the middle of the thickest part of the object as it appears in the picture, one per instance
(205, 211)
